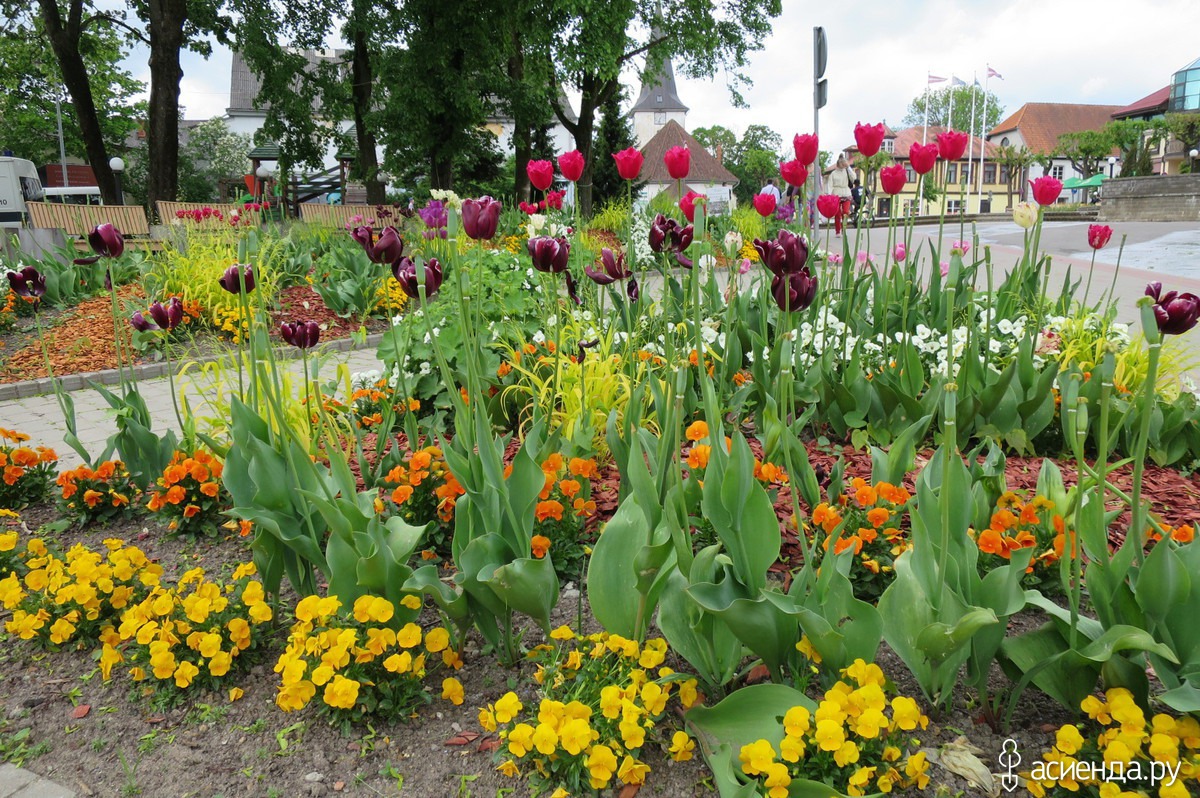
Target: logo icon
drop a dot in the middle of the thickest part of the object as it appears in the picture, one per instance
(1009, 759)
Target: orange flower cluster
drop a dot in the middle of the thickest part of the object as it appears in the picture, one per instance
(26, 471)
(423, 480)
(98, 494)
(1017, 525)
(868, 523)
(369, 403)
(575, 489)
(1184, 533)
(189, 493)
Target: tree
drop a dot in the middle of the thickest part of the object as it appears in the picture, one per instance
(1085, 149)
(307, 94)
(1133, 138)
(614, 135)
(212, 154)
(1185, 128)
(717, 136)
(28, 118)
(1013, 161)
(594, 42)
(987, 108)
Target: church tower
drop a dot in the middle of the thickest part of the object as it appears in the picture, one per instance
(657, 105)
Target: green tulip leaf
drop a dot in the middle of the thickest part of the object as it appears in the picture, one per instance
(612, 579)
(529, 586)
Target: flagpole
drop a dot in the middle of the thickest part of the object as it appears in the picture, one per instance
(983, 136)
(950, 113)
(925, 124)
(971, 140)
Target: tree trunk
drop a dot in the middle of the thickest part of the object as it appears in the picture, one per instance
(522, 136)
(362, 76)
(166, 22)
(593, 95)
(64, 39)
(441, 171)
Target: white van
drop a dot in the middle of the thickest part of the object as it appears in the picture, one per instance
(19, 183)
(73, 195)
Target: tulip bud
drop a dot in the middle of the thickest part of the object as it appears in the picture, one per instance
(139, 323)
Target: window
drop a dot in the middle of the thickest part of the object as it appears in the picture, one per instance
(909, 175)
(910, 207)
(1005, 175)
(953, 206)
(952, 173)
(659, 99)
(660, 117)
(889, 145)
(1004, 141)
(1057, 172)
(967, 171)
(989, 173)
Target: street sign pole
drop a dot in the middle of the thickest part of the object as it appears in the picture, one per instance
(820, 96)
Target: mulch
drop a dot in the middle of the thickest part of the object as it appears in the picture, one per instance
(80, 339)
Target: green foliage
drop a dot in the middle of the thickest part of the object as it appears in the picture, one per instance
(987, 107)
(28, 120)
(347, 281)
(613, 218)
(614, 135)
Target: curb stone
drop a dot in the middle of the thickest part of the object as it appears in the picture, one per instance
(18, 783)
(27, 389)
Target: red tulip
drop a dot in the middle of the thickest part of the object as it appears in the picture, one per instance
(869, 138)
(571, 165)
(828, 205)
(629, 163)
(1046, 190)
(794, 173)
(892, 178)
(688, 204)
(952, 144)
(806, 147)
(678, 161)
(764, 204)
(922, 157)
(1099, 235)
(541, 174)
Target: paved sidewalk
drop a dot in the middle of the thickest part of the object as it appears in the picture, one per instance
(18, 783)
(41, 419)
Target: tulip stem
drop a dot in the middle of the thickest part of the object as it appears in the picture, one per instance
(1149, 393)
(171, 382)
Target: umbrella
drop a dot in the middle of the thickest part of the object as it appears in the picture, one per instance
(1092, 182)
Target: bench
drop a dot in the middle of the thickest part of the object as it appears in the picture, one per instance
(322, 215)
(76, 221)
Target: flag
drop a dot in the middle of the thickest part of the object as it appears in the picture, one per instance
(956, 82)
(994, 74)
(936, 79)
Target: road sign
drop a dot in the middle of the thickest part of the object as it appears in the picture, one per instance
(820, 53)
(820, 93)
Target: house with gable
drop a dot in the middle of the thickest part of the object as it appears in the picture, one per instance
(659, 118)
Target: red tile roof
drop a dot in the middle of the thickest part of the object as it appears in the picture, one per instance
(1040, 124)
(1150, 104)
(705, 167)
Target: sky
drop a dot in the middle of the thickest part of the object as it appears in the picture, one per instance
(1070, 51)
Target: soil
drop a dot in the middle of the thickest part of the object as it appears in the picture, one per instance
(124, 745)
(86, 333)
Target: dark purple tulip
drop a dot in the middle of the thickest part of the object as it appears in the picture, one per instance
(571, 292)
(631, 288)
(794, 291)
(658, 233)
(168, 317)
(230, 279)
(549, 254)
(106, 242)
(668, 236)
(300, 334)
(786, 254)
(1175, 312)
(388, 249)
(614, 268)
(584, 346)
(480, 217)
(405, 272)
(139, 323)
(28, 282)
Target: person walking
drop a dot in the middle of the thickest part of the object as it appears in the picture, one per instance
(772, 189)
(839, 183)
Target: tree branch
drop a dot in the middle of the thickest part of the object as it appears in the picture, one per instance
(634, 53)
(120, 23)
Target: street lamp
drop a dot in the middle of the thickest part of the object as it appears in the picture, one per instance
(1112, 165)
(117, 165)
(263, 173)
(1194, 154)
